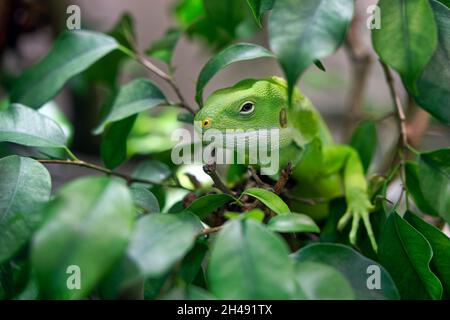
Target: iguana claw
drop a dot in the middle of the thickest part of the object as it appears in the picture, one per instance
(358, 208)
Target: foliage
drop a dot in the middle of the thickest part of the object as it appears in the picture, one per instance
(129, 240)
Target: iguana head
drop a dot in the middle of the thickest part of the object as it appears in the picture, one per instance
(248, 105)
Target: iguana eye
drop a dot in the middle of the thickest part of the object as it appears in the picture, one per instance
(247, 108)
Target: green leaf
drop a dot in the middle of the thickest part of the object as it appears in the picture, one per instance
(354, 266)
(136, 96)
(72, 53)
(319, 281)
(232, 54)
(107, 69)
(406, 254)
(433, 90)
(364, 140)
(434, 180)
(440, 243)
(249, 262)
(259, 7)
(25, 126)
(413, 187)
(157, 243)
(144, 200)
(114, 142)
(444, 2)
(88, 226)
(24, 185)
(256, 214)
(163, 48)
(152, 170)
(302, 31)
(270, 199)
(192, 262)
(407, 38)
(206, 205)
(320, 65)
(293, 222)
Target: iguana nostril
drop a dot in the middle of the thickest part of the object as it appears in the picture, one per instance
(206, 123)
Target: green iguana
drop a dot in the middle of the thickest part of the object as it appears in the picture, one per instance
(322, 169)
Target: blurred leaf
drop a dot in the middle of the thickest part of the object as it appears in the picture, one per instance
(24, 185)
(413, 187)
(152, 170)
(354, 267)
(163, 48)
(259, 7)
(250, 262)
(293, 222)
(206, 205)
(136, 96)
(144, 200)
(197, 293)
(72, 53)
(157, 243)
(302, 31)
(320, 65)
(14, 275)
(113, 148)
(445, 2)
(106, 70)
(364, 140)
(406, 254)
(225, 14)
(88, 226)
(232, 54)
(53, 111)
(270, 199)
(407, 38)
(188, 11)
(186, 117)
(256, 214)
(25, 126)
(192, 262)
(434, 180)
(433, 90)
(320, 281)
(440, 244)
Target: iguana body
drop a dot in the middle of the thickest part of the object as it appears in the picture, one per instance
(322, 169)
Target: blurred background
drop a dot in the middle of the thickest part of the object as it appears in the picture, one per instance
(343, 93)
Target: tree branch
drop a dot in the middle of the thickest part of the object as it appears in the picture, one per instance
(210, 169)
(398, 105)
(207, 231)
(284, 177)
(154, 69)
(361, 63)
(401, 120)
(92, 166)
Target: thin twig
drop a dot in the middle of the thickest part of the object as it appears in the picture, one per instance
(255, 177)
(142, 59)
(193, 179)
(284, 177)
(207, 231)
(403, 139)
(398, 105)
(92, 166)
(361, 63)
(210, 169)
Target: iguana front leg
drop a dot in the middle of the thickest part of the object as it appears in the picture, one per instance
(346, 159)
